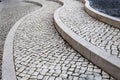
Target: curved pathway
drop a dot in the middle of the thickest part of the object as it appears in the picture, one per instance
(102, 35)
(41, 54)
(8, 16)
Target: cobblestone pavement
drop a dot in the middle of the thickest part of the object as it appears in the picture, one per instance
(41, 54)
(8, 16)
(98, 33)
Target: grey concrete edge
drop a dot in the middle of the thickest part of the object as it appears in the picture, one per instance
(57, 1)
(102, 59)
(8, 66)
(115, 22)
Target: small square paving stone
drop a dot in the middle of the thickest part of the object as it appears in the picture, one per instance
(40, 77)
(58, 71)
(33, 77)
(44, 71)
(21, 69)
(64, 71)
(82, 71)
(69, 72)
(52, 71)
(64, 75)
(98, 78)
(24, 78)
(57, 67)
(70, 77)
(26, 75)
(46, 77)
(71, 69)
(83, 75)
(31, 71)
(39, 65)
(35, 73)
(105, 76)
(55, 75)
(75, 78)
(90, 77)
(77, 70)
(97, 70)
(73, 66)
(78, 63)
(75, 74)
(65, 68)
(51, 78)
(58, 79)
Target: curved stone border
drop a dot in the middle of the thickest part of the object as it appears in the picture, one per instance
(108, 63)
(8, 68)
(57, 1)
(115, 22)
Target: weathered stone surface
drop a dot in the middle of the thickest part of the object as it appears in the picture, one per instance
(10, 13)
(39, 46)
(102, 35)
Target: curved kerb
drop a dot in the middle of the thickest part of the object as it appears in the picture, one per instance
(108, 63)
(8, 67)
(115, 22)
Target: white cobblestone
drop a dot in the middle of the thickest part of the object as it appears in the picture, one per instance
(11, 12)
(45, 49)
(92, 30)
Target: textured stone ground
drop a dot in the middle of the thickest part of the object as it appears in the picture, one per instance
(102, 35)
(10, 13)
(41, 54)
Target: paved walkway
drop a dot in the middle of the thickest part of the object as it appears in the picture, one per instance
(102, 35)
(41, 54)
(10, 13)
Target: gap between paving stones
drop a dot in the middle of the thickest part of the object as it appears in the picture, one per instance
(99, 57)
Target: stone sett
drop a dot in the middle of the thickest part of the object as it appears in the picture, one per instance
(98, 33)
(40, 53)
(11, 12)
